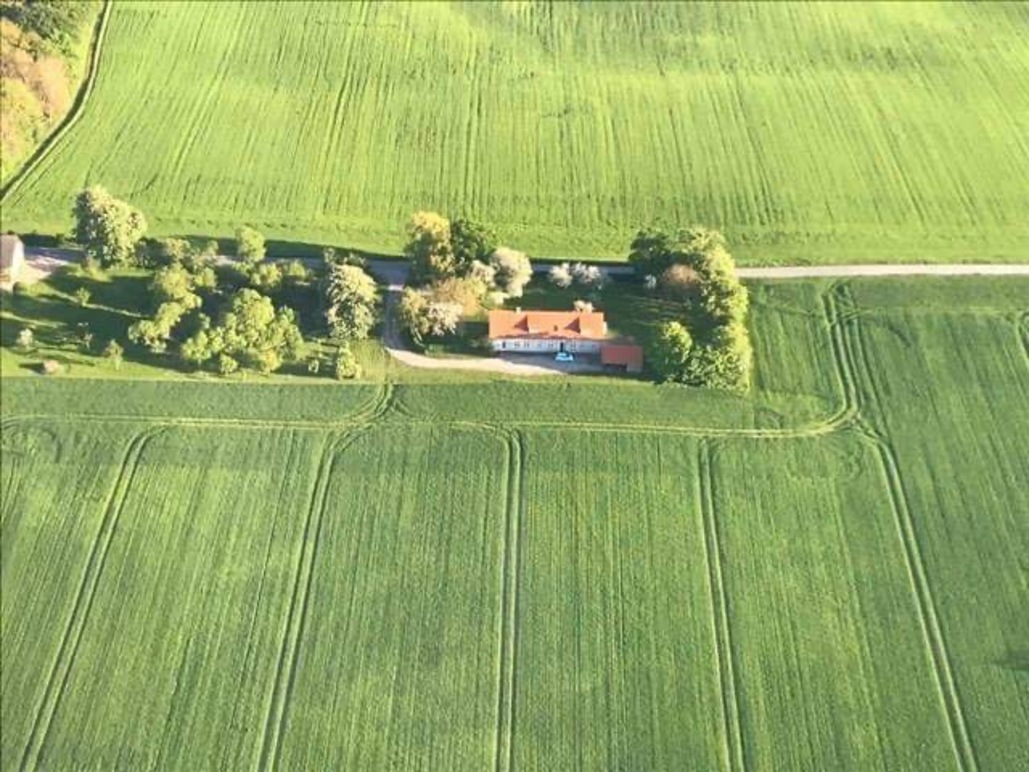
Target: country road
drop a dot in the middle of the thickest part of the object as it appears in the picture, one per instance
(395, 271)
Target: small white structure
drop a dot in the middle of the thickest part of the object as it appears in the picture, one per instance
(12, 258)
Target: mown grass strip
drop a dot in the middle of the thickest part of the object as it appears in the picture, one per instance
(65, 659)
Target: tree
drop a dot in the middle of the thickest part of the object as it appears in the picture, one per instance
(441, 318)
(257, 334)
(107, 228)
(250, 245)
(429, 247)
(670, 352)
(264, 276)
(197, 349)
(155, 333)
(470, 241)
(589, 276)
(172, 251)
(513, 270)
(114, 353)
(25, 341)
(561, 276)
(82, 296)
(467, 292)
(174, 283)
(424, 316)
(352, 299)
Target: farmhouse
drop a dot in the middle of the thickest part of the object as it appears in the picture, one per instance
(12, 257)
(548, 332)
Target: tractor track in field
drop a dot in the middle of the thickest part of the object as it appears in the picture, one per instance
(921, 587)
(735, 758)
(1022, 331)
(296, 619)
(514, 523)
(64, 661)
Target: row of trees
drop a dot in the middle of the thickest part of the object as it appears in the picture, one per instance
(710, 346)
(456, 269)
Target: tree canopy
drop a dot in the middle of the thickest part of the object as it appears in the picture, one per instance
(107, 228)
(351, 301)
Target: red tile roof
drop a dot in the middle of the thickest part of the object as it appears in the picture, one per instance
(567, 325)
(628, 355)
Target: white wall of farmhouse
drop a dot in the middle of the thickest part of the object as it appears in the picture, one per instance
(544, 345)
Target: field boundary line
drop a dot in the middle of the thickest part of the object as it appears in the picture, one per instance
(74, 114)
(918, 578)
(732, 732)
(514, 520)
(64, 661)
(296, 618)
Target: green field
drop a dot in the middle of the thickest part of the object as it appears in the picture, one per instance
(824, 132)
(556, 575)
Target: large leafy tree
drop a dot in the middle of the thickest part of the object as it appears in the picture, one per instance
(512, 271)
(351, 299)
(252, 332)
(470, 241)
(107, 228)
(429, 247)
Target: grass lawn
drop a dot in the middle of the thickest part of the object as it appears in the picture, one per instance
(834, 132)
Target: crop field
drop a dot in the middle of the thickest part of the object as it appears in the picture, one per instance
(824, 132)
(367, 582)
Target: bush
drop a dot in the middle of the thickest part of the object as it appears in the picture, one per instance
(51, 367)
(26, 341)
(114, 353)
(82, 296)
(227, 365)
(346, 367)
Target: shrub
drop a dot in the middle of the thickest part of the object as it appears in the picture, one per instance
(114, 353)
(82, 296)
(26, 341)
(346, 367)
(51, 367)
(227, 365)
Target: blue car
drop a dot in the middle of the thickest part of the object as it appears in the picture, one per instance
(564, 356)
